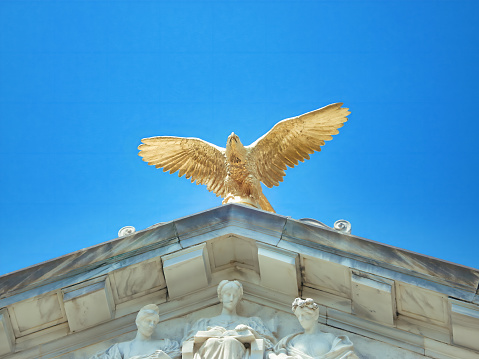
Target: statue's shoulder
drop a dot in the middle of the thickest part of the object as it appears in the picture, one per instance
(198, 325)
(331, 336)
(167, 343)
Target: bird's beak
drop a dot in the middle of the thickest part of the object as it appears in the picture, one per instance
(232, 137)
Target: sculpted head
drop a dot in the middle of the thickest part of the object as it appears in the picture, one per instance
(147, 319)
(307, 312)
(230, 293)
(233, 139)
(235, 150)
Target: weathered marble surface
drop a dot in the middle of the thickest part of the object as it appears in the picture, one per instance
(276, 257)
(87, 259)
(380, 254)
(284, 323)
(373, 298)
(7, 339)
(382, 269)
(143, 345)
(422, 304)
(263, 226)
(220, 334)
(311, 342)
(465, 324)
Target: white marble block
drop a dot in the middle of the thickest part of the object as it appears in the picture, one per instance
(187, 270)
(327, 276)
(229, 250)
(36, 313)
(278, 269)
(88, 304)
(465, 324)
(422, 304)
(7, 338)
(137, 280)
(325, 299)
(373, 298)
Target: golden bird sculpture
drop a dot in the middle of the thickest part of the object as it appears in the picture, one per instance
(235, 172)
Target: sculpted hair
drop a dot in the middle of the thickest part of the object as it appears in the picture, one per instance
(304, 303)
(146, 311)
(224, 282)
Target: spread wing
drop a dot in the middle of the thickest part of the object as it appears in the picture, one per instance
(293, 140)
(199, 160)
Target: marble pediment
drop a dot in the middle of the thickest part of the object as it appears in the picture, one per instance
(403, 302)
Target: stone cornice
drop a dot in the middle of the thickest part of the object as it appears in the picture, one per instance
(242, 220)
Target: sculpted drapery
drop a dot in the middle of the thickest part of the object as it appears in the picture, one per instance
(340, 347)
(143, 346)
(312, 343)
(231, 336)
(225, 335)
(165, 349)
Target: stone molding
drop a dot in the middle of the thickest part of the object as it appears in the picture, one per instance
(275, 257)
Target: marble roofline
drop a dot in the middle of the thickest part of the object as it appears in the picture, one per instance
(86, 300)
(283, 232)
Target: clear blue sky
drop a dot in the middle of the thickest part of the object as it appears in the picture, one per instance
(81, 82)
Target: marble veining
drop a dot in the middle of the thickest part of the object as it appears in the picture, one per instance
(263, 226)
(381, 254)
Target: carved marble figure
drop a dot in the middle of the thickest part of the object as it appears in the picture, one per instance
(228, 335)
(312, 343)
(235, 172)
(143, 346)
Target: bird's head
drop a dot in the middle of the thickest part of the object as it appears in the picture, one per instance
(233, 141)
(233, 138)
(234, 146)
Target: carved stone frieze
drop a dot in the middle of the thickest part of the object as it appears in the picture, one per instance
(312, 342)
(389, 302)
(143, 345)
(232, 336)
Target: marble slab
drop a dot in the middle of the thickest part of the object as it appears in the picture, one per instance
(376, 331)
(7, 338)
(137, 280)
(88, 304)
(327, 299)
(380, 254)
(231, 219)
(87, 259)
(247, 222)
(231, 249)
(424, 329)
(326, 276)
(187, 270)
(438, 350)
(422, 304)
(373, 298)
(36, 313)
(376, 269)
(178, 264)
(279, 269)
(465, 324)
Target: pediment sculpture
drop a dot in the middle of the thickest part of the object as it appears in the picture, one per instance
(228, 335)
(143, 346)
(231, 336)
(312, 343)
